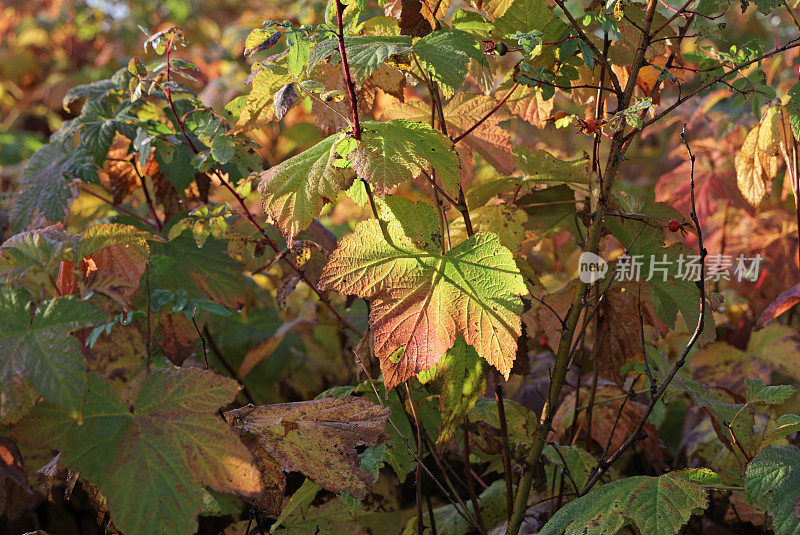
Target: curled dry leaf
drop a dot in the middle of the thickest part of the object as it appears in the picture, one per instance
(317, 438)
(781, 304)
(757, 162)
(284, 99)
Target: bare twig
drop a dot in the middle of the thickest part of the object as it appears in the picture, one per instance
(604, 463)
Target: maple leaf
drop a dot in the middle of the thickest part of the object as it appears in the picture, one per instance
(40, 349)
(294, 191)
(422, 299)
(151, 461)
(317, 438)
(396, 151)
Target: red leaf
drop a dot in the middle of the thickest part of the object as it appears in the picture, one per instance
(781, 304)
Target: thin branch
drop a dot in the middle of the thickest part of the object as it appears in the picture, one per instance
(604, 464)
(351, 87)
(561, 365)
(488, 114)
(794, 43)
(120, 208)
(585, 38)
(647, 370)
(468, 475)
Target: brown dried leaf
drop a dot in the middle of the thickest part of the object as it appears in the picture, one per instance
(417, 18)
(330, 117)
(527, 104)
(114, 271)
(389, 80)
(608, 400)
(272, 477)
(284, 99)
(317, 438)
(178, 337)
(620, 337)
(16, 495)
(120, 176)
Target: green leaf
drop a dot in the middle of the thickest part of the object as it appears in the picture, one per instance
(761, 394)
(179, 169)
(396, 151)
(423, 299)
(527, 16)
(41, 349)
(656, 505)
(793, 108)
(102, 236)
(461, 377)
(44, 186)
(201, 272)
(152, 461)
(470, 21)
(34, 250)
(97, 138)
(578, 462)
(540, 165)
(295, 191)
(444, 54)
(550, 209)
(773, 476)
(364, 53)
(223, 148)
(492, 504)
(299, 49)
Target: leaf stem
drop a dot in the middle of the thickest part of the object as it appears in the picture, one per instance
(561, 365)
(488, 114)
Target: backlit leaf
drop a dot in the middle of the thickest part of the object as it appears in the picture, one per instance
(423, 299)
(773, 476)
(295, 191)
(444, 54)
(397, 151)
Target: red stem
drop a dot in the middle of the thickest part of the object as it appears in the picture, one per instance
(491, 112)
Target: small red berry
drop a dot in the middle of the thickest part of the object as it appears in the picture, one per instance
(674, 225)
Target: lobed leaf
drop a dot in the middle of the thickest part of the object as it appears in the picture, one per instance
(295, 191)
(421, 299)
